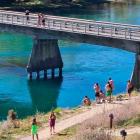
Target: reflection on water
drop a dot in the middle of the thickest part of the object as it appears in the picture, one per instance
(44, 94)
(119, 12)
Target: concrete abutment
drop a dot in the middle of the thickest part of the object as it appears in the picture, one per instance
(135, 79)
(45, 55)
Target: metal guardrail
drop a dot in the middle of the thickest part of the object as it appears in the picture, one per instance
(74, 25)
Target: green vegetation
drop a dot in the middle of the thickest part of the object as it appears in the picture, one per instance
(65, 134)
(7, 132)
(134, 121)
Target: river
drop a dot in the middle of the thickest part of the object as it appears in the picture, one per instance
(84, 64)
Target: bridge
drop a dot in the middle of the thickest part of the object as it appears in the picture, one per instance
(45, 52)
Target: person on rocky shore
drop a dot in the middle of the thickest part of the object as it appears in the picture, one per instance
(52, 119)
(112, 84)
(86, 101)
(129, 88)
(12, 118)
(97, 92)
(108, 89)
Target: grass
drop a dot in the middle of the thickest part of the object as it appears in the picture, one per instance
(134, 121)
(65, 134)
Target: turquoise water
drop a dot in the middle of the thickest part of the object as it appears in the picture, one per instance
(84, 64)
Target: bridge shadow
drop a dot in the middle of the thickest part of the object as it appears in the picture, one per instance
(44, 94)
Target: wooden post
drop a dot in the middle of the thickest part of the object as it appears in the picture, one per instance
(72, 26)
(111, 31)
(98, 29)
(12, 19)
(111, 120)
(125, 32)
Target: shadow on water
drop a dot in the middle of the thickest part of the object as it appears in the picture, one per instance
(44, 94)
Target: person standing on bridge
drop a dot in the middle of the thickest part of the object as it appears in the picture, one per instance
(27, 12)
(39, 19)
(43, 19)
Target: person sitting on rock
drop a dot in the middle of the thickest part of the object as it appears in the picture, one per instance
(86, 101)
(102, 96)
(12, 117)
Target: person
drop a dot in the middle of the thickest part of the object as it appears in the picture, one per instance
(108, 89)
(34, 129)
(12, 117)
(112, 85)
(130, 88)
(27, 15)
(102, 96)
(39, 19)
(97, 92)
(43, 19)
(52, 119)
(86, 101)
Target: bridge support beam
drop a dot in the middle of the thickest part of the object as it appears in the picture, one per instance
(135, 79)
(45, 55)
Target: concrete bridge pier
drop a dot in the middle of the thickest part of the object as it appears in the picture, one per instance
(135, 79)
(45, 55)
(45, 74)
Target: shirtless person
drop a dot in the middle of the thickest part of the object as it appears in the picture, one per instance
(129, 88)
(97, 92)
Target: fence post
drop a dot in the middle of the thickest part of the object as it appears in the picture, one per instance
(111, 116)
(123, 134)
(98, 28)
(125, 32)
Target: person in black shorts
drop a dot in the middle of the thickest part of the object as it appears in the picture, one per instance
(130, 88)
(97, 92)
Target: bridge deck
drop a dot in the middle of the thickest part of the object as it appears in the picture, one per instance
(74, 25)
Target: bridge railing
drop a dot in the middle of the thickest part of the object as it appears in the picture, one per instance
(74, 25)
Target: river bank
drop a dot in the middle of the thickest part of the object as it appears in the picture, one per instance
(37, 6)
(7, 131)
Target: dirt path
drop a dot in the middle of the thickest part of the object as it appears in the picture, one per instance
(79, 118)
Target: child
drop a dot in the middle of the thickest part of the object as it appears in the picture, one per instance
(34, 129)
(86, 101)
